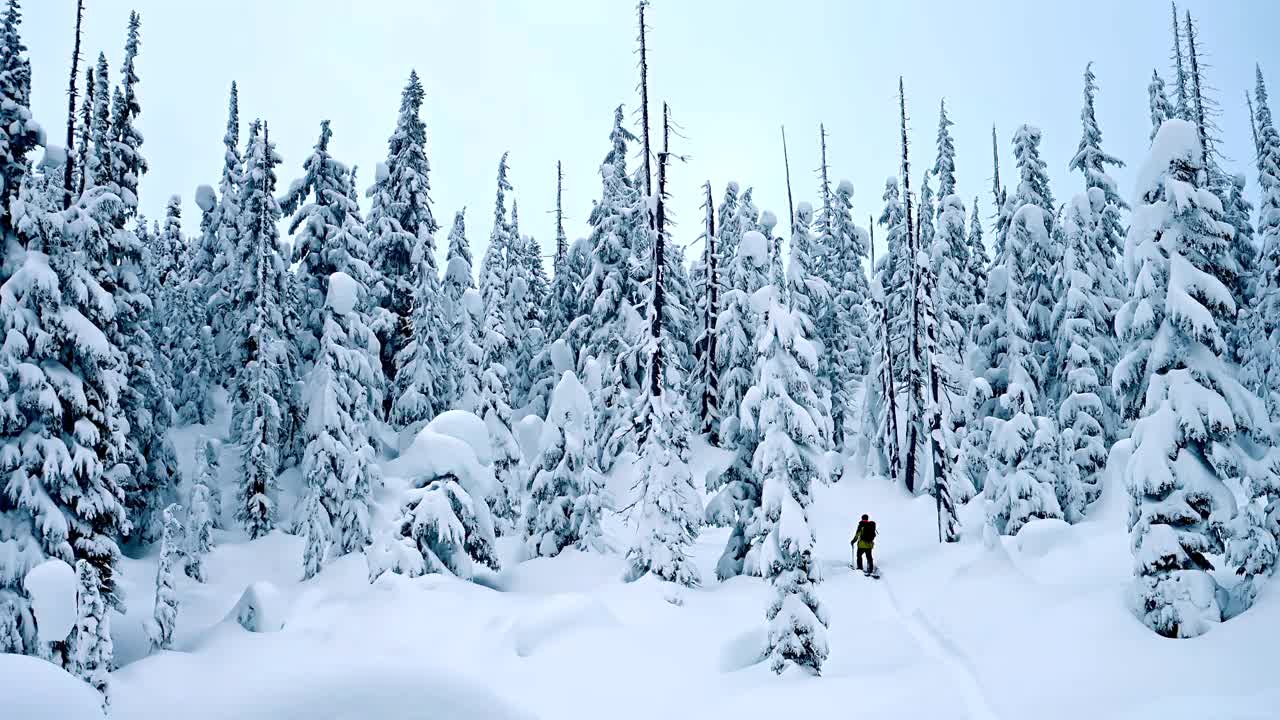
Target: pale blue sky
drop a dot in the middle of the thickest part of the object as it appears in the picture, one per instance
(541, 79)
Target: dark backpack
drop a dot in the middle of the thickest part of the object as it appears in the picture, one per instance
(867, 531)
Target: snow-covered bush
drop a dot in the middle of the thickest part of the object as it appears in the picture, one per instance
(445, 525)
(566, 490)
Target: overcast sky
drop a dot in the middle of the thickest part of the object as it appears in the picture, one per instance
(541, 79)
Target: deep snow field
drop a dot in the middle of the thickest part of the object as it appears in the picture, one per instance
(1034, 627)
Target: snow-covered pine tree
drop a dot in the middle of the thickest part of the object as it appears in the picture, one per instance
(84, 134)
(61, 425)
(705, 350)
(735, 499)
(444, 526)
(400, 219)
(1158, 101)
(459, 325)
(850, 294)
(148, 469)
(329, 237)
(215, 266)
(1023, 475)
(528, 290)
(496, 275)
(1193, 419)
(975, 271)
(667, 508)
(423, 385)
(566, 280)
(566, 493)
(950, 252)
(1265, 331)
(165, 615)
(940, 366)
(609, 323)
(93, 645)
(19, 133)
(1084, 346)
(1099, 258)
(263, 386)
(784, 409)
(890, 304)
(343, 398)
(495, 409)
(200, 514)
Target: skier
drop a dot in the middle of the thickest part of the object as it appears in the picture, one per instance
(864, 540)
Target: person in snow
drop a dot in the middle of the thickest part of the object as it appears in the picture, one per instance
(864, 540)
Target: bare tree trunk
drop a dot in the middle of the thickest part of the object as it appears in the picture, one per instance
(710, 387)
(644, 103)
(915, 383)
(68, 180)
(791, 208)
(996, 190)
(659, 255)
(1253, 125)
(562, 243)
(86, 129)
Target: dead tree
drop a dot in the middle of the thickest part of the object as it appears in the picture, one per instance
(68, 181)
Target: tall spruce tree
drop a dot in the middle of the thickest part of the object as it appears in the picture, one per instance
(1102, 232)
(262, 394)
(783, 407)
(61, 423)
(19, 132)
(949, 255)
(329, 236)
(1192, 419)
(668, 509)
(214, 267)
(399, 219)
(609, 323)
(735, 500)
(1265, 331)
(705, 349)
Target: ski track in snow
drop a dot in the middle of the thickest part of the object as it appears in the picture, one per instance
(964, 675)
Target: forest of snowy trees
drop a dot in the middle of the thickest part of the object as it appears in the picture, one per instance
(995, 354)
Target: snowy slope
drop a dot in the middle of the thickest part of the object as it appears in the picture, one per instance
(1033, 628)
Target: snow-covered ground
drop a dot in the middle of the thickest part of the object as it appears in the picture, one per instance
(1033, 628)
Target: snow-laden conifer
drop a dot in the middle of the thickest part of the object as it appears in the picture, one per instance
(1193, 420)
(566, 493)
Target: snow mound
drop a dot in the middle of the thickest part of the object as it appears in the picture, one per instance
(52, 586)
(34, 689)
(398, 693)
(557, 617)
(744, 650)
(754, 247)
(343, 291)
(845, 186)
(768, 220)
(1040, 537)
(261, 608)
(205, 199)
(467, 427)
(1175, 140)
(433, 454)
